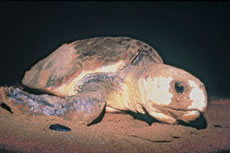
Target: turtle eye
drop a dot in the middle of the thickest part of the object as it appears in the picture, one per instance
(178, 86)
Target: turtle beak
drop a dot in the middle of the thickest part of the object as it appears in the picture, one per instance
(190, 115)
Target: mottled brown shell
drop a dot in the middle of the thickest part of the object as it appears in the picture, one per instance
(70, 62)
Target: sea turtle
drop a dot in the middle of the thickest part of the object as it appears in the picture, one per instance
(115, 74)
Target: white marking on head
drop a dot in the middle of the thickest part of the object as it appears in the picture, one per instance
(156, 90)
(198, 97)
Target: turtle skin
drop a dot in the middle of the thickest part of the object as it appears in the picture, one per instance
(115, 74)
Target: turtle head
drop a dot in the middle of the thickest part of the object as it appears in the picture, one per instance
(170, 94)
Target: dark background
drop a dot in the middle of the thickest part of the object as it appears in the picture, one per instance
(194, 36)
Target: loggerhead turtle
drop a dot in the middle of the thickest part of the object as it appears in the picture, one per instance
(113, 73)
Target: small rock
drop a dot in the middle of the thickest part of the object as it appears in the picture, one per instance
(59, 127)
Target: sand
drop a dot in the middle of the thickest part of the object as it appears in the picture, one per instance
(20, 133)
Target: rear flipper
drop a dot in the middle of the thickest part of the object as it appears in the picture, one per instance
(84, 107)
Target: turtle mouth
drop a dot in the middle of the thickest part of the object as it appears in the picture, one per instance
(181, 109)
(186, 115)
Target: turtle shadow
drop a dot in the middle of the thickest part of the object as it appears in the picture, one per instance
(99, 118)
(142, 117)
(6, 107)
(200, 123)
(138, 116)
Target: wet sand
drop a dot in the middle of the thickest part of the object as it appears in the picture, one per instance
(20, 133)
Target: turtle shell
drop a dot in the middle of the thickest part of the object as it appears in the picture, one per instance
(62, 69)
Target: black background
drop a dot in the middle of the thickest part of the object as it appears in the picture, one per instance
(194, 36)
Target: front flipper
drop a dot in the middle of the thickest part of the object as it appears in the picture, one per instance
(84, 107)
